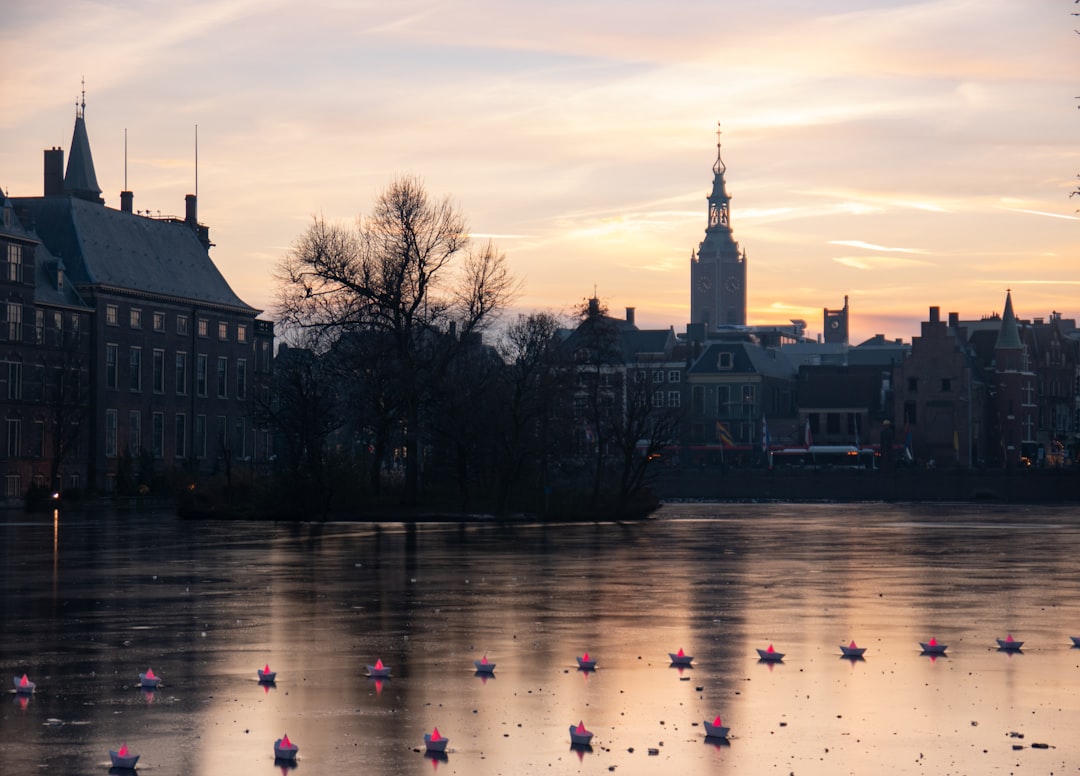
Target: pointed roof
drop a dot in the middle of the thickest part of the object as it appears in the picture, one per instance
(80, 180)
(1009, 334)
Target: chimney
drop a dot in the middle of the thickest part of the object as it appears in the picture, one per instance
(54, 172)
(126, 200)
(954, 320)
(935, 315)
(630, 315)
(191, 213)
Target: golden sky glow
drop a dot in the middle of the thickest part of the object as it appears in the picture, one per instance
(903, 153)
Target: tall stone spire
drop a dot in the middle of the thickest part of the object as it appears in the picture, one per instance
(1009, 333)
(80, 180)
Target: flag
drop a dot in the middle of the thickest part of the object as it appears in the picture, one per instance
(907, 442)
(764, 435)
(807, 437)
(724, 435)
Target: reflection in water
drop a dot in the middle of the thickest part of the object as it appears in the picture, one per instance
(204, 602)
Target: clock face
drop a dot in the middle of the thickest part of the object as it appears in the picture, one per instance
(705, 283)
(733, 283)
(835, 324)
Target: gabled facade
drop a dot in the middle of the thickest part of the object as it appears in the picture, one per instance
(175, 357)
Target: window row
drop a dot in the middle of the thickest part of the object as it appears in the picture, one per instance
(213, 435)
(181, 374)
(158, 323)
(40, 432)
(51, 327)
(13, 483)
(658, 375)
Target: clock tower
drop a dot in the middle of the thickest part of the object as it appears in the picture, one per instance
(718, 268)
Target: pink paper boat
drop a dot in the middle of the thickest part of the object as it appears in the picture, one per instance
(378, 670)
(770, 655)
(851, 650)
(483, 666)
(266, 676)
(284, 749)
(579, 736)
(932, 647)
(148, 680)
(1009, 644)
(434, 742)
(122, 758)
(586, 663)
(716, 729)
(680, 658)
(23, 686)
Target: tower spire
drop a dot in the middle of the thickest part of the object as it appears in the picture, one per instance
(719, 168)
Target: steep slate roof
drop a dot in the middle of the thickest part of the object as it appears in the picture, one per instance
(111, 249)
(1009, 336)
(746, 358)
(80, 180)
(652, 341)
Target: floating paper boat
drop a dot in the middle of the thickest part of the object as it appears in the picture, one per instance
(932, 647)
(851, 650)
(680, 658)
(1075, 640)
(716, 729)
(148, 680)
(434, 742)
(266, 676)
(122, 758)
(483, 666)
(284, 749)
(23, 686)
(378, 670)
(770, 655)
(586, 663)
(579, 736)
(1009, 644)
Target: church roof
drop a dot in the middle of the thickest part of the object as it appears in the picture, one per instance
(121, 251)
(1009, 334)
(80, 180)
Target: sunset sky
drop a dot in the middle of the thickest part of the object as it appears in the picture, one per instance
(903, 153)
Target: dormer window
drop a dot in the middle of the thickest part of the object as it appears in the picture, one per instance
(724, 361)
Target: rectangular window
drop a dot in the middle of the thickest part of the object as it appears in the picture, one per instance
(136, 318)
(14, 437)
(946, 385)
(135, 364)
(241, 332)
(159, 371)
(723, 400)
(240, 446)
(674, 398)
(112, 314)
(222, 376)
(58, 328)
(134, 432)
(200, 374)
(37, 443)
(223, 330)
(181, 324)
(199, 448)
(111, 380)
(159, 322)
(181, 374)
(39, 327)
(723, 361)
(180, 436)
(658, 399)
(204, 327)
(14, 321)
(14, 380)
(157, 431)
(12, 486)
(264, 357)
(241, 378)
(658, 376)
(640, 375)
(674, 376)
(14, 263)
(222, 443)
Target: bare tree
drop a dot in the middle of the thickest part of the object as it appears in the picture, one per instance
(404, 272)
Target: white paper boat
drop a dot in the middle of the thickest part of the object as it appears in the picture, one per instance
(378, 670)
(680, 658)
(579, 736)
(483, 666)
(284, 749)
(123, 759)
(933, 648)
(148, 680)
(851, 650)
(435, 744)
(586, 663)
(715, 730)
(266, 676)
(23, 686)
(770, 655)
